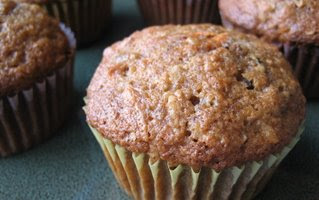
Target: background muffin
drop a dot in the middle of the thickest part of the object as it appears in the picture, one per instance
(292, 25)
(179, 11)
(36, 59)
(194, 112)
(87, 18)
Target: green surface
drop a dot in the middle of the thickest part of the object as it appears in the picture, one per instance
(71, 165)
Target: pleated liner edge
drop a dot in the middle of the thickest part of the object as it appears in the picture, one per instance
(87, 18)
(142, 179)
(304, 60)
(179, 11)
(32, 115)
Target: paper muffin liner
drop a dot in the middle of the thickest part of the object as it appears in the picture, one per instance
(179, 11)
(304, 60)
(30, 116)
(143, 179)
(87, 18)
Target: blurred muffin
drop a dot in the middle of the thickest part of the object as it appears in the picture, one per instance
(36, 57)
(87, 18)
(194, 112)
(292, 25)
(179, 11)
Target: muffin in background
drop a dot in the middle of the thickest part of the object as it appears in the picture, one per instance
(88, 19)
(156, 12)
(194, 112)
(36, 61)
(292, 25)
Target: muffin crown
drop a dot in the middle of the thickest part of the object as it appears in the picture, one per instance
(197, 94)
(31, 45)
(280, 21)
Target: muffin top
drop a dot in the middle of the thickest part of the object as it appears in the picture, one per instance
(279, 21)
(32, 45)
(197, 94)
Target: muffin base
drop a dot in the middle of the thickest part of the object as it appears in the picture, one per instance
(30, 116)
(179, 11)
(143, 179)
(87, 18)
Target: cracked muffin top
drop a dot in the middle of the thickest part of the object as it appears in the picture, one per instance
(32, 45)
(197, 94)
(279, 21)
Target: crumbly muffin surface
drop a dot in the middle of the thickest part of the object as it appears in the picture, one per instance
(279, 21)
(197, 94)
(31, 45)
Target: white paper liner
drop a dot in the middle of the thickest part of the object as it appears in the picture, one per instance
(142, 179)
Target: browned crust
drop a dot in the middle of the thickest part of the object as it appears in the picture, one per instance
(198, 95)
(32, 45)
(281, 21)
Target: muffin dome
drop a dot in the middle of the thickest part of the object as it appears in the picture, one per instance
(282, 21)
(197, 94)
(31, 45)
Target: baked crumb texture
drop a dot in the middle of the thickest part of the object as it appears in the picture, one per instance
(198, 95)
(279, 21)
(32, 45)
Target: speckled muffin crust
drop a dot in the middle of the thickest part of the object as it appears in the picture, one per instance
(285, 20)
(31, 45)
(198, 95)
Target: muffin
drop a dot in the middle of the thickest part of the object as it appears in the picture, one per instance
(179, 11)
(87, 18)
(292, 25)
(36, 58)
(194, 112)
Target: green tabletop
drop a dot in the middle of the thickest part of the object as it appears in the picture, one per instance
(72, 166)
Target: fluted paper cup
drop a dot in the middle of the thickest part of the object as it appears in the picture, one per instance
(143, 179)
(88, 19)
(32, 115)
(157, 12)
(304, 60)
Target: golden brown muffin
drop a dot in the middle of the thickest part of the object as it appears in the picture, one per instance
(281, 21)
(198, 95)
(31, 45)
(36, 69)
(292, 25)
